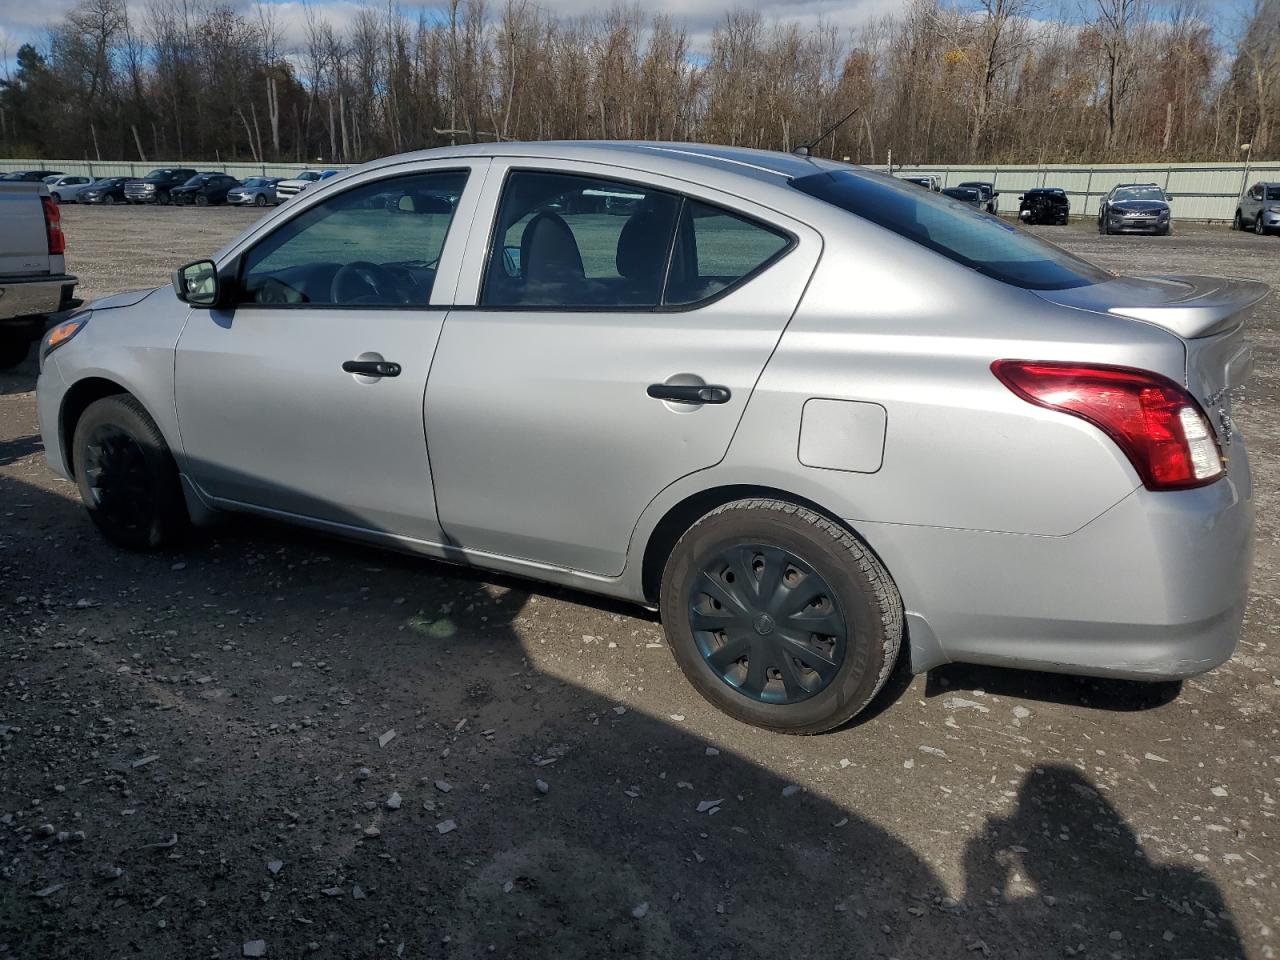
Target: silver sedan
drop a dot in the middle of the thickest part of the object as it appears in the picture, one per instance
(825, 421)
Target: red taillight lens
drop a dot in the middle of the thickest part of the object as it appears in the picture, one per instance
(1158, 425)
(53, 225)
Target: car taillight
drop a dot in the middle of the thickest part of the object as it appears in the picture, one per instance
(1157, 424)
(53, 225)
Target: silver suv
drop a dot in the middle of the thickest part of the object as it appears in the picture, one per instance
(823, 420)
(1259, 209)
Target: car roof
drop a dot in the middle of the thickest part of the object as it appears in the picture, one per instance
(684, 159)
(1156, 185)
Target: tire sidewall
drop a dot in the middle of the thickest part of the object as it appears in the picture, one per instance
(167, 507)
(860, 674)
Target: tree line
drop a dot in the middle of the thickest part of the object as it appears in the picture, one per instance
(1131, 80)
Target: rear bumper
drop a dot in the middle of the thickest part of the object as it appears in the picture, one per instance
(1154, 589)
(24, 299)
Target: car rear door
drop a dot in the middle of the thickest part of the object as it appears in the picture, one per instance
(550, 412)
(282, 403)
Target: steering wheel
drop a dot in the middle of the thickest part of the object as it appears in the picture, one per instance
(364, 282)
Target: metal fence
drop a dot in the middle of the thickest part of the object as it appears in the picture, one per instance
(1200, 191)
(123, 168)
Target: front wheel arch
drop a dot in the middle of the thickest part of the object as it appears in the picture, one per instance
(76, 401)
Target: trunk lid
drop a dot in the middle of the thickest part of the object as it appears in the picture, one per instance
(1208, 314)
(24, 243)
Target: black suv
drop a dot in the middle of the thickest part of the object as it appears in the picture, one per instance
(204, 189)
(155, 186)
(1044, 205)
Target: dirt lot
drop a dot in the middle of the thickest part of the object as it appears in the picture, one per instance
(338, 751)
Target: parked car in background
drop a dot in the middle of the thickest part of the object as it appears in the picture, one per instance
(295, 185)
(30, 176)
(1135, 208)
(204, 189)
(987, 190)
(1259, 209)
(108, 190)
(33, 278)
(968, 195)
(65, 188)
(1045, 205)
(928, 181)
(1034, 467)
(157, 185)
(255, 192)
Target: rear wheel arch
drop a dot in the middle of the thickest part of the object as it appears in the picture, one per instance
(683, 515)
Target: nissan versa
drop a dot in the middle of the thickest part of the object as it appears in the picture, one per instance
(818, 417)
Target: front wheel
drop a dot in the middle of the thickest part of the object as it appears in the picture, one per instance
(127, 477)
(1259, 227)
(780, 617)
(163, 199)
(260, 200)
(201, 200)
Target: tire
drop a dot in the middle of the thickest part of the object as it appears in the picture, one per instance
(857, 598)
(1259, 227)
(109, 200)
(1238, 222)
(13, 350)
(56, 197)
(163, 198)
(260, 200)
(134, 496)
(201, 200)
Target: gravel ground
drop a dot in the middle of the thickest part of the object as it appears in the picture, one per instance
(346, 753)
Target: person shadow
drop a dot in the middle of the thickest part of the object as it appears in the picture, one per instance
(513, 811)
(1067, 864)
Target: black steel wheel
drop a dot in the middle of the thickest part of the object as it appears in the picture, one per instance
(108, 199)
(260, 200)
(780, 617)
(127, 477)
(767, 623)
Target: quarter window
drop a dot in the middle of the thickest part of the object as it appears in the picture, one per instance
(377, 244)
(715, 249)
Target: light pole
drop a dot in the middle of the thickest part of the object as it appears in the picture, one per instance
(1248, 155)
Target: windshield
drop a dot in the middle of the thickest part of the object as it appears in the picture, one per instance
(961, 193)
(308, 175)
(983, 189)
(196, 180)
(955, 230)
(255, 182)
(1139, 193)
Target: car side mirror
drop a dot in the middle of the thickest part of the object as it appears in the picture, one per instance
(197, 283)
(995, 193)
(1168, 198)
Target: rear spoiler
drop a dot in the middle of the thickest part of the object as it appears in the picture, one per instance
(1201, 306)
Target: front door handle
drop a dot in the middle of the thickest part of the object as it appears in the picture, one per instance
(689, 393)
(372, 368)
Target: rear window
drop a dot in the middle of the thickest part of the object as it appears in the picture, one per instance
(956, 230)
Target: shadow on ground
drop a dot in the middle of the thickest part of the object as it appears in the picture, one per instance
(212, 714)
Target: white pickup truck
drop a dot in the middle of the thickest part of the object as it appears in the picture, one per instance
(33, 280)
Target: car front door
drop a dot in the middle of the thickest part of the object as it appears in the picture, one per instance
(305, 397)
(1251, 205)
(620, 323)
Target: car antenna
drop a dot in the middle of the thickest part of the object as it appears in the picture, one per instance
(806, 148)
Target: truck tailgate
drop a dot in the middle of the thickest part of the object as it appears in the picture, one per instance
(24, 245)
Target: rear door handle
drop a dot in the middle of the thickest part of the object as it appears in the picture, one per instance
(372, 368)
(689, 393)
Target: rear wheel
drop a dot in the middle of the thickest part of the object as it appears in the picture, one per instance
(1238, 222)
(780, 617)
(127, 477)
